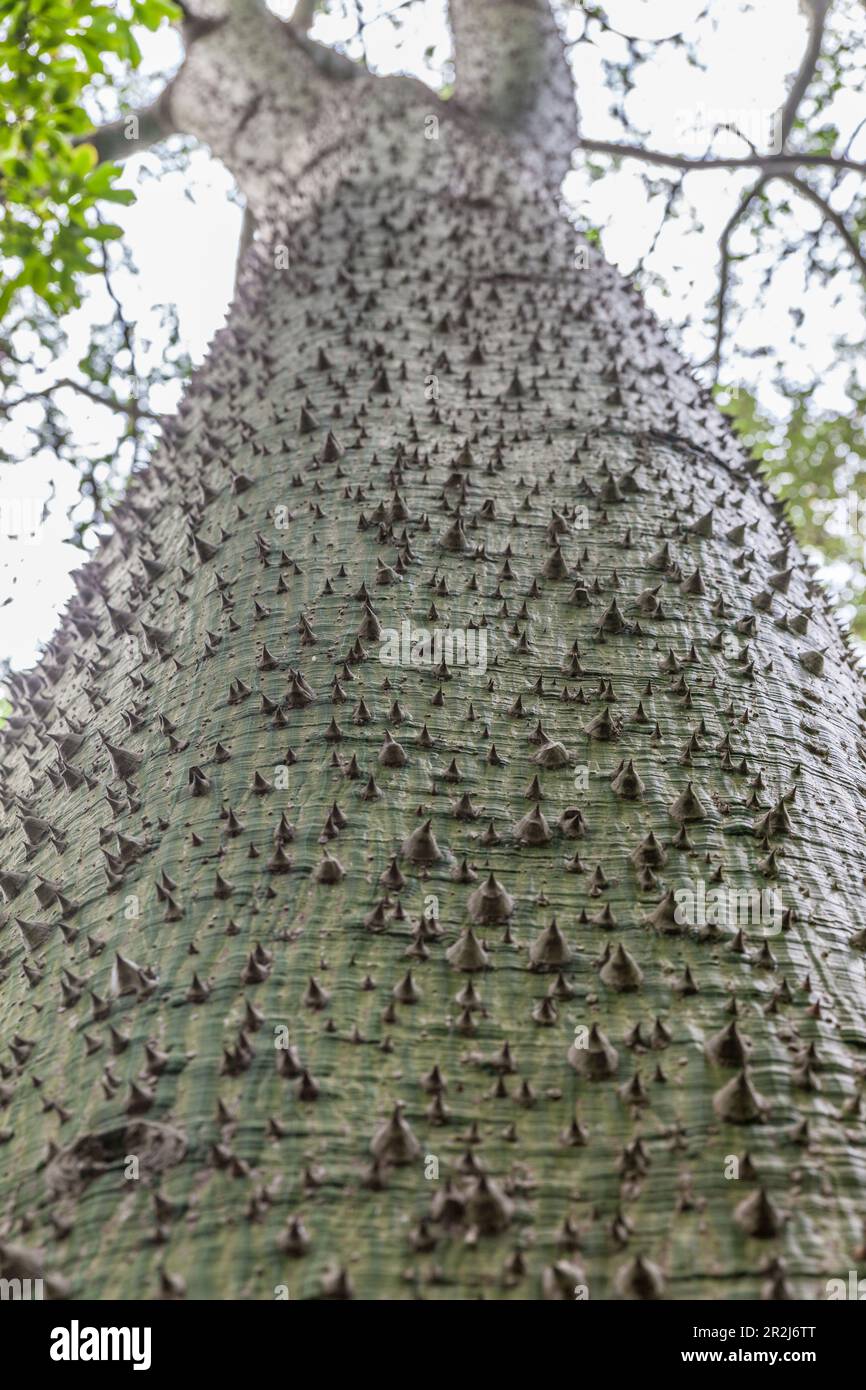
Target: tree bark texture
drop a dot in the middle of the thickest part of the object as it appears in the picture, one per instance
(332, 977)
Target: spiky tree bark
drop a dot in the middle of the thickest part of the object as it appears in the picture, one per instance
(328, 976)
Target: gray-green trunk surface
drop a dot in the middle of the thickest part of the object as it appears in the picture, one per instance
(264, 1035)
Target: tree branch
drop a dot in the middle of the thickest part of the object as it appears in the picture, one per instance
(130, 408)
(512, 72)
(829, 213)
(329, 61)
(818, 11)
(853, 136)
(674, 192)
(771, 164)
(361, 23)
(132, 133)
(833, 217)
(303, 15)
(715, 358)
(245, 240)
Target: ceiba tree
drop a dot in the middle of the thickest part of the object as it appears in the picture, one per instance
(325, 977)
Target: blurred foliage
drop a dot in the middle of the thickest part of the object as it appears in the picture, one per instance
(116, 378)
(51, 185)
(816, 463)
(55, 240)
(62, 60)
(797, 404)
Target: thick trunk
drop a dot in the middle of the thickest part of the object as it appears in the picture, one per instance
(432, 417)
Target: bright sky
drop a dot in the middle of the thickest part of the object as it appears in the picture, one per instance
(184, 228)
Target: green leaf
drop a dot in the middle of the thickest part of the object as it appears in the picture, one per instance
(107, 231)
(84, 157)
(119, 195)
(49, 52)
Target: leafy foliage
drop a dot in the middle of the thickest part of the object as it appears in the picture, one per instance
(50, 184)
(788, 244)
(55, 237)
(816, 463)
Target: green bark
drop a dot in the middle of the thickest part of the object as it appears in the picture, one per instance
(433, 402)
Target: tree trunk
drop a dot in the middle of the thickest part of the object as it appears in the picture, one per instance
(330, 971)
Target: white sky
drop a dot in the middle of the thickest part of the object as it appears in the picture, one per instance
(184, 228)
